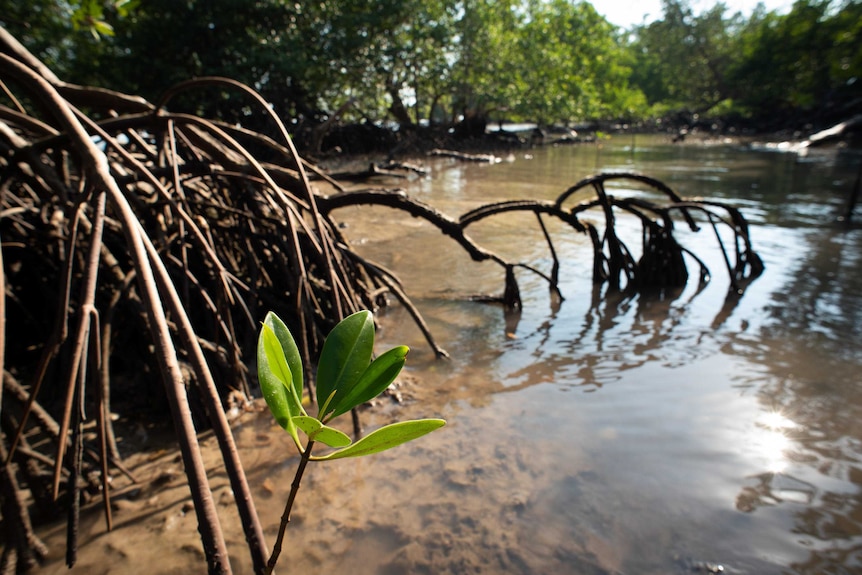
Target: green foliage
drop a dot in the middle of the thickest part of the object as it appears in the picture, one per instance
(90, 15)
(346, 378)
(317, 431)
(408, 59)
(766, 67)
(385, 438)
(374, 380)
(573, 55)
(682, 59)
(345, 356)
(71, 38)
(387, 52)
(550, 61)
(279, 370)
(807, 60)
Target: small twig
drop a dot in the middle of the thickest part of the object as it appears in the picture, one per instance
(357, 425)
(73, 487)
(285, 517)
(103, 416)
(80, 351)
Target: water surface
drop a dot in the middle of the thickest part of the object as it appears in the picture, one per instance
(623, 435)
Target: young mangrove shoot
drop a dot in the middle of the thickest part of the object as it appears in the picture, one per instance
(346, 377)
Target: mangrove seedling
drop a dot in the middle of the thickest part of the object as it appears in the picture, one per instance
(346, 377)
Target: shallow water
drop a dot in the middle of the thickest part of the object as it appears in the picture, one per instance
(650, 436)
(604, 434)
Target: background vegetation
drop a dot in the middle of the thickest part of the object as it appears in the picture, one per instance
(433, 61)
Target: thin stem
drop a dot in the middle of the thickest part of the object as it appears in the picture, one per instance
(285, 517)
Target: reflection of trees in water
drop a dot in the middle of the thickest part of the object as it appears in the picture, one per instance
(772, 489)
(825, 311)
(810, 343)
(823, 298)
(619, 332)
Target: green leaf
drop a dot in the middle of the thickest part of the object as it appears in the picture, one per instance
(276, 382)
(103, 28)
(317, 431)
(125, 8)
(379, 375)
(345, 356)
(385, 438)
(291, 352)
(273, 375)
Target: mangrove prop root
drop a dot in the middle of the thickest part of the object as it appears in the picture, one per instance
(159, 238)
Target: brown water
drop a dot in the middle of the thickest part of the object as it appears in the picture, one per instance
(605, 435)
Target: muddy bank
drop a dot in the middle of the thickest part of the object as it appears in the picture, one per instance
(373, 514)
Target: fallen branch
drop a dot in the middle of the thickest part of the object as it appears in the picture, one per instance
(481, 158)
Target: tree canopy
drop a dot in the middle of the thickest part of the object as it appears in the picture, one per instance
(415, 62)
(767, 67)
